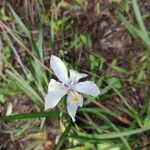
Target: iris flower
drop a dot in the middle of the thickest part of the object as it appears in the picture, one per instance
(68, 85)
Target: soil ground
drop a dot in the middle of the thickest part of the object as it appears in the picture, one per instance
(109, 38)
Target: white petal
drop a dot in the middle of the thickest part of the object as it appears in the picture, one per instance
(59, 68)
(76, 76)
(53, 97)
(87, 87)
(74, 100)
(54, 85)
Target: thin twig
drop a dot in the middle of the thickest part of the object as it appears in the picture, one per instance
(19, 61)
(3, 26)
(123, 120)
(1, 47)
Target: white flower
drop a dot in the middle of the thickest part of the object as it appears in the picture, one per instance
(68, 85)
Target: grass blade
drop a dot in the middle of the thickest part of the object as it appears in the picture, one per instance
(20, 23)
(63, 138)
(140, 22)
(114, 135)
(40, 43)
(107, 121)
(30, 116)
(25, 87)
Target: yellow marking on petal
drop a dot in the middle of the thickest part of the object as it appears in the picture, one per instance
(75, 99)
(76, 74)
(51, 87)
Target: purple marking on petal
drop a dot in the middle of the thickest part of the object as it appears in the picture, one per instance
(66, 85)
(70, 82)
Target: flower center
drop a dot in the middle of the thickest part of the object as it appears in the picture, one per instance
(68, 85)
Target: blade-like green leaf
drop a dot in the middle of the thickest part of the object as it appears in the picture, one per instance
(140, 22)
(63, 137)
(30, 116)
(113, 135)
(25, 87)
(20, 23)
